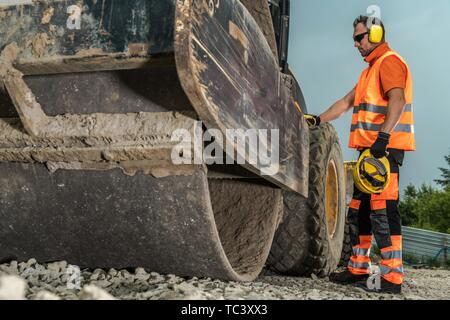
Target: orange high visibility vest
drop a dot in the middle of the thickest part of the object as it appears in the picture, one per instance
(370, 110)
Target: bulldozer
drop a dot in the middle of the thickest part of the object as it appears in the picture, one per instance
(91, 93)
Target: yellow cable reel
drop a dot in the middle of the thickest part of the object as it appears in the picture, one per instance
(371, 175)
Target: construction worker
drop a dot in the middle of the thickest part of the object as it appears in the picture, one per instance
(382, 122)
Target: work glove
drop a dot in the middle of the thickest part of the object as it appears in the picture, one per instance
(378, 149)
(313, 121)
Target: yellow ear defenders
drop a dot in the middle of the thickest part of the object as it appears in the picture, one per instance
(375, 30)
(371, 175)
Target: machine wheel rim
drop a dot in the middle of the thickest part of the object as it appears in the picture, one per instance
(331, 198)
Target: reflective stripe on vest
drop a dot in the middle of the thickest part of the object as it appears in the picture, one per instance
(376, 127)
(371, 108)
(377, 109)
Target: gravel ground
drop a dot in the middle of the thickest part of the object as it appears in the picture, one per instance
(30, 280)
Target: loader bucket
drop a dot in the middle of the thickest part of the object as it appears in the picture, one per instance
(91, 94)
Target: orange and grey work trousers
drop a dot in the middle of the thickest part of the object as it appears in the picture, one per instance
(377, 215)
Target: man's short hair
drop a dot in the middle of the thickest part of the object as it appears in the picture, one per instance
(366, 20)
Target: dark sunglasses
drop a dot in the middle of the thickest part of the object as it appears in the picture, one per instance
(358, 38)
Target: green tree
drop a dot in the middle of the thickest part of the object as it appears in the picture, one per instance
(411, 191)
(427, 207)
(407, 205)
(445, 173)
(433, 211)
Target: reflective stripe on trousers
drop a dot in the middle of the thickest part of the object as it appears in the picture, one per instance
(391, 266)
(359, 262)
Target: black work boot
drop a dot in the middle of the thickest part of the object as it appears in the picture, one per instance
(384, 286)
(346, 277)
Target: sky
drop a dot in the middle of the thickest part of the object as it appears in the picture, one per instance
(327, 66)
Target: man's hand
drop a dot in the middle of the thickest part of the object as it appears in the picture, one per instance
(378, 149)
(313, 121)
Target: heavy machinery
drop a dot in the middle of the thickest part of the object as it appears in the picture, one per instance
(92, 92)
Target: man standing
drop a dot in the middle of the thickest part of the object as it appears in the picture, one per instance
(382, 121)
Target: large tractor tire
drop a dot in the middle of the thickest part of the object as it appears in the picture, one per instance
(310, 238)
(346, 247)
